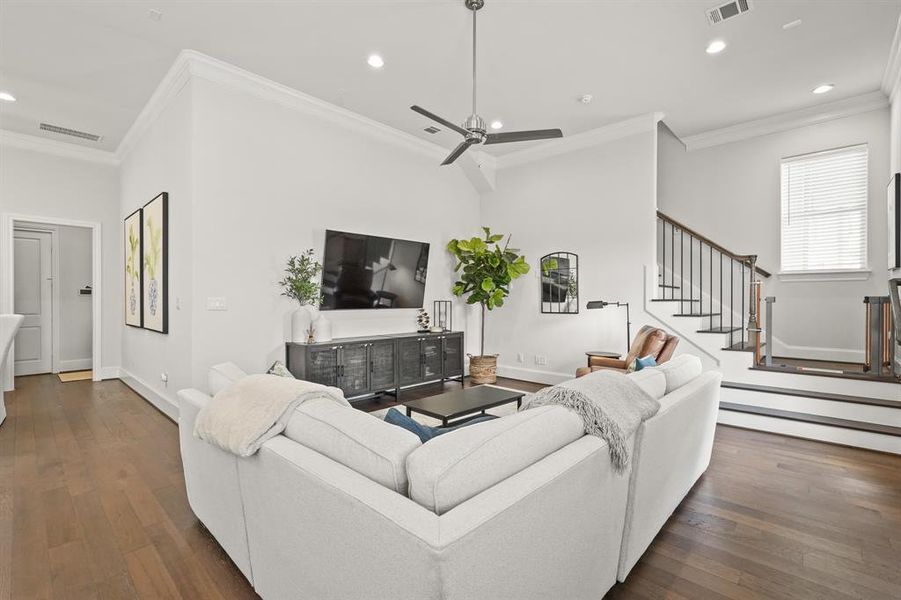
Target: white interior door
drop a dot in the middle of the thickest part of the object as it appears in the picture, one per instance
(33, 293)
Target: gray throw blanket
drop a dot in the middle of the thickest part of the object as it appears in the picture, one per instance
(611, 406)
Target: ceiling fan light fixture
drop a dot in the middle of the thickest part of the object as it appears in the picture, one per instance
(496, 124)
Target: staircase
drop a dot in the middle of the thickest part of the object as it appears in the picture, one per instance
(710, 296)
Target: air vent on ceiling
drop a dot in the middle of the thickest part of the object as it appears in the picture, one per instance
(431, 129)
(727, 11)
(73, 132)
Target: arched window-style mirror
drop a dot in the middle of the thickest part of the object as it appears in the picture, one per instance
(560, 283)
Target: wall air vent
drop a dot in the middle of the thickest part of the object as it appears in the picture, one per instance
(727, 11)
(431, 129)
(73, 132)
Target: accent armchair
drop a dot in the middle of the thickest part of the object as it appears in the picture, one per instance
(649, 341)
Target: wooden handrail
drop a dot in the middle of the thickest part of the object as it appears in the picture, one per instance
(744, 258)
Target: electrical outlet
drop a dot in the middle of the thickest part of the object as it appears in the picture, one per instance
(540, 359)
(216, 303)
(520, 357)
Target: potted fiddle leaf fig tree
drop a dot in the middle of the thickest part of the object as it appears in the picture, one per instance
(485, 269)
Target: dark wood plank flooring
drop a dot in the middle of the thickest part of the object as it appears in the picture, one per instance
(93, 505)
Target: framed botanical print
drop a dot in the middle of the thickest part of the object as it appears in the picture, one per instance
(155, 296)
(133, 271)
(893, 207)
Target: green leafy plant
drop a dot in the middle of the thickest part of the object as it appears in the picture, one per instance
(486, 268)
(130, 267)
(301, 281)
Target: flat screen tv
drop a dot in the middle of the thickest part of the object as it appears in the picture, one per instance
(367, 271)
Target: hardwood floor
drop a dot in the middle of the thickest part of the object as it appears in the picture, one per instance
(93, 505)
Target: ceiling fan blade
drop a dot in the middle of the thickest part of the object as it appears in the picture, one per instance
(523, 136)
(438, 119)
(458, 152)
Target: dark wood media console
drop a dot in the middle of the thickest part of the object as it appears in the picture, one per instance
(365, 366)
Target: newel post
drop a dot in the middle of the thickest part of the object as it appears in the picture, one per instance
(754, 309)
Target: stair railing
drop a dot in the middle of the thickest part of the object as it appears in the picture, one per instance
(710, 281)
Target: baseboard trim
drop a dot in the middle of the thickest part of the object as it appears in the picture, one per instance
(165, 405)
(533, 375)
(75, 364)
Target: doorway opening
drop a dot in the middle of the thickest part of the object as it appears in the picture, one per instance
(52, 277)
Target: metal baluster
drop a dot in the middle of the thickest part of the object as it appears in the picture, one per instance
(661, 281)
(742, 304)
(700, 278)
(672, 252)
(681, 270)
(691, 271)
(731, 301)
(711, 287)
(721, 291)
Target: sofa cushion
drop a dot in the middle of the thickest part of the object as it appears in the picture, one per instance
(651, 380)
(456, 466)
(680, 371)
(223, 375)
(356, 439)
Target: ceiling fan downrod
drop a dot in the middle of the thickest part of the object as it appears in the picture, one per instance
(474, 122)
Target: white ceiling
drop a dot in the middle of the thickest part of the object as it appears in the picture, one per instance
(92, 65)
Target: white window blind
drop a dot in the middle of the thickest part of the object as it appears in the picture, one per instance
(824, 210)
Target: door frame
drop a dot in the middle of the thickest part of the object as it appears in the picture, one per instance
(8, 222)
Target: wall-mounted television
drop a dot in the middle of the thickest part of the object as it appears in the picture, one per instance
(367, 271)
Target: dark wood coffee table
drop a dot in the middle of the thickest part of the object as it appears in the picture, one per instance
(463, 403)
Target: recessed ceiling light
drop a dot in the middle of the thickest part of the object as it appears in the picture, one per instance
(822, 89)
(791, 24)
(375, 61)
(496, 124)
(586, 98)
(7, 97)
(154, 15)
(716, 46)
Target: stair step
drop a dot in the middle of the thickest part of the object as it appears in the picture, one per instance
(672, 300)
(698, 315)
(667, 286)
(743, 346)
(769, 389)
(792, 370)
(815, 419)
(720, 330)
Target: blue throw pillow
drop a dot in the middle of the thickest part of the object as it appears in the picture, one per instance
(647, 361)
(425, 433)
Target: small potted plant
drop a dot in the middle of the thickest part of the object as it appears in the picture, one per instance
(301, 283)
(486, 268)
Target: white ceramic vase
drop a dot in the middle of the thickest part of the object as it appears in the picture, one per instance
(323, 328)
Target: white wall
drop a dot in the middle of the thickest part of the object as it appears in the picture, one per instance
(74, 308)
(268, 181)
(44, 185)
(731, 194)
(161, 162)
(599, 204)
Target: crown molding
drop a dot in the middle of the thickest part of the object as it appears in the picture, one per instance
(581, 141)
(891, 79)
(24, 141)
(786, 121)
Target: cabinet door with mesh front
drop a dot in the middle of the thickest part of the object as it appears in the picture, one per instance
(410, 360)
(453, 356)
(432, 359)
(354, 372)
(322, 365)
(382, 374)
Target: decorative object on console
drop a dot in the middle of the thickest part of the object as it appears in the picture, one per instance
(444, 314)
(486, 269)
(596, 304)
(423, 320)
(894, 221)
(134, 293)
(560, 283)
(155, 275)
(301, 283)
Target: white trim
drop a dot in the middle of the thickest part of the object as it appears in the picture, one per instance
(786, 121)
(105, 373)
(35, 143)
(580, 141)
(891, 78)
(167, 406)
(75, 364)
(825, 275)
(533, 375)
(7, 268)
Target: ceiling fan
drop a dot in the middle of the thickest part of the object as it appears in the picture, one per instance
(473, 128)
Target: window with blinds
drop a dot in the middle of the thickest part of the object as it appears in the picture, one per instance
(824, 210)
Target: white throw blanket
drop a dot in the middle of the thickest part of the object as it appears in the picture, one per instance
(611, 405)
(244, 415)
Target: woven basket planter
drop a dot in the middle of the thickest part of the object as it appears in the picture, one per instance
(483, 369)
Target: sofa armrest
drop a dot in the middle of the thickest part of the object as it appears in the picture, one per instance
(607, 363)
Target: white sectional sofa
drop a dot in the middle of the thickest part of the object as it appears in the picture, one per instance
(344, 505)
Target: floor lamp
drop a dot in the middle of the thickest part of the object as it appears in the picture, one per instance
(601, 304)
